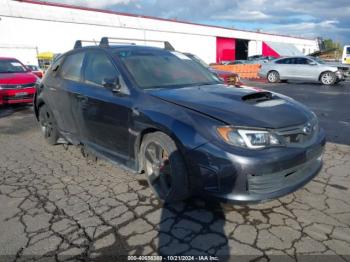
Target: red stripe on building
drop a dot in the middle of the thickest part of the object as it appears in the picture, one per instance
(268, 51)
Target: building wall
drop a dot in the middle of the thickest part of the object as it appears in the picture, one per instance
(55, 29)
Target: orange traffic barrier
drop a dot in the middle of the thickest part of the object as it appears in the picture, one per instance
(249, 71)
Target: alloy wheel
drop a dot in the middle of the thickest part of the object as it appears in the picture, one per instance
(327, 78)
(158, 168)
(273, 77)
(46, 124)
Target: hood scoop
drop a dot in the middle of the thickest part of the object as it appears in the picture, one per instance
(257, 97)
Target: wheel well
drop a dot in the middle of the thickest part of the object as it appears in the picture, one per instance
(139, 140)
(37, 107)
(272, 71)
(145, 132)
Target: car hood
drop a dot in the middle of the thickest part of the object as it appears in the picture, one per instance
(222, 72)
(17, 78)
(239, 106)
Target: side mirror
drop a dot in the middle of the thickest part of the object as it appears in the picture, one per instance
(312, 63)
(112, 83)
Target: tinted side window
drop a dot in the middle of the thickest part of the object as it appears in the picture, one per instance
(71, 68)
(98, 68)
(302, 61)
(283, 61)
(293, 61)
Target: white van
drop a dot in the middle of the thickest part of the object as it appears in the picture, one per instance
(346, 55)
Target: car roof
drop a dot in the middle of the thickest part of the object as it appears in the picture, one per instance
(294, 57)
(123, 47)
(8, 58)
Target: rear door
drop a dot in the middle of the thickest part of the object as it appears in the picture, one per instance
(103, 114)
(59, 85)
(285, 68)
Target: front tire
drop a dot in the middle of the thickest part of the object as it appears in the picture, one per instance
(328, 78)
(164, 167)
(48, 125)
(273, 77)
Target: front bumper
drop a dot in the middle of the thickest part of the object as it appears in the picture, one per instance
(254, 176)
(340, 75)
(262, 74)
(17, 96)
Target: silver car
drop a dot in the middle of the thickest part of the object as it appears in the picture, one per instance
(300, 68)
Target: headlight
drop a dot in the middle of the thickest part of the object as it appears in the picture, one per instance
(253, 139)
(1, 87)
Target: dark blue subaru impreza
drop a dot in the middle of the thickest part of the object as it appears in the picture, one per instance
(160, 113)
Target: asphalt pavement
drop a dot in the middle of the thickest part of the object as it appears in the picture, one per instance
(330, 103)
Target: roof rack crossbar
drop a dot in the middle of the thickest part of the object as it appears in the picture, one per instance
(106, 40)
(79, 43)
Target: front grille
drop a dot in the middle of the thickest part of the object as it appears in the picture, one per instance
(12, 98)
(264, 184)
(17, 86)
(297, 138)
(300, 136)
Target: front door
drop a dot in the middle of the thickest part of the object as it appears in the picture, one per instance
(104, 114)
(306, 68)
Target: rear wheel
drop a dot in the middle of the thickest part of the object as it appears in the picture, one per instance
(328, 78)
(273, 77)
(48, 125)
(164, 167)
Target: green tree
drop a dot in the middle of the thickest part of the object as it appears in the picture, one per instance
(336, 48)
(330, 44)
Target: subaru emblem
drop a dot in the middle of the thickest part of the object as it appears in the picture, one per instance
(307, 129)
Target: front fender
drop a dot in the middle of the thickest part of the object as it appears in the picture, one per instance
(189, 129)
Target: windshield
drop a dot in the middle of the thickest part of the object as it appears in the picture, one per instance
(318, 60)
(11, 66)
(199, 60)
(163, 69)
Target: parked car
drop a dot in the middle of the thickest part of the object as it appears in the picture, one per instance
(228, 77)
(237, 62)
(17, 83)
(155, 112)
(35, 70)
(301, 68)
(259, 59)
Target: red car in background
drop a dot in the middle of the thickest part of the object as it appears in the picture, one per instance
(17, 83)
(36, 70)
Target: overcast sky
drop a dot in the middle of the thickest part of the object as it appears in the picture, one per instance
(307, 18)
